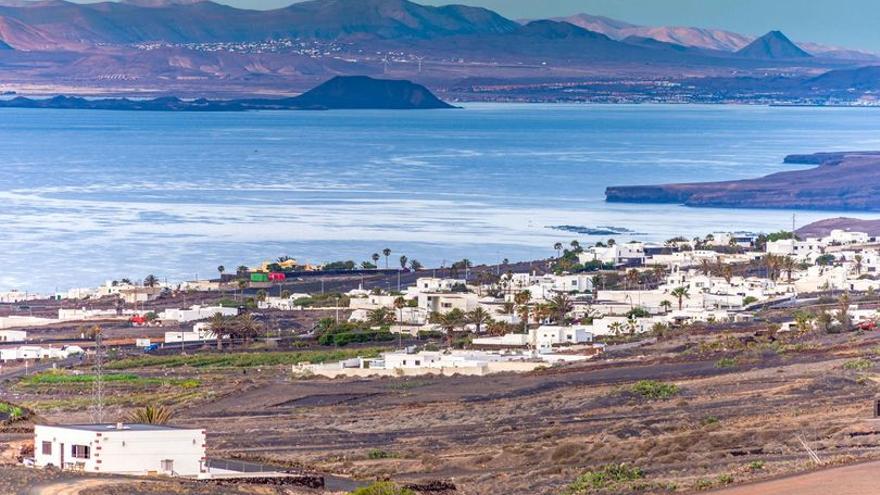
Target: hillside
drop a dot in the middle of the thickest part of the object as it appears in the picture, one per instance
(772, 46)
(849, 181)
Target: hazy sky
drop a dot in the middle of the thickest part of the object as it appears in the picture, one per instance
(852, 23)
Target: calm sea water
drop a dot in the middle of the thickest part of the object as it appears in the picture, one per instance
(90, 196)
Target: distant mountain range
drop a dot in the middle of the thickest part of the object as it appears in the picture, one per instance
(710, 39)
(192, 47)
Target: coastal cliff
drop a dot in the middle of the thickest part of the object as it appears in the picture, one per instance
(841, 181)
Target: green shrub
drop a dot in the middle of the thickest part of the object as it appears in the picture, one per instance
(241, 360)
(604, 477)
(654, 390)
(383, 488)
(725, 363)
(756, 465)
(379, 454)
(861, 364)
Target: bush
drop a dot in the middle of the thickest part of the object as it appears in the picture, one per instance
(383, 488)
(654, 390)
(604, 477)
(241, 360)
(379, 454)
(725, 363)
(749, 300)
(858, 365)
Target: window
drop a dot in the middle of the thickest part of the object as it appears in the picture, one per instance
(168, 465)
(81, 451)
(418, 362)
(47, 448)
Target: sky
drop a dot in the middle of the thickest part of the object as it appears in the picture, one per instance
(850, 23)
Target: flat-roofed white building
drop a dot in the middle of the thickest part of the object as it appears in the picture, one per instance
(195, 313)
(128, 449)
(13, 335)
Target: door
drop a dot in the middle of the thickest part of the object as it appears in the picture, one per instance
(61, 465)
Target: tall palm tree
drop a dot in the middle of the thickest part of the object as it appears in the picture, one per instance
(403, 260)
(575, 246)
(219, 326)
(151, 281)
(560, 305)
(521, 300)
(375, 257)
(727, 273)
(387, 253)
(448, 322)
(246, 327)
(680, 293)
(558, 248)
(221, 269)
(399, 304)
(632, 277)
(478, 317)
(859, 259)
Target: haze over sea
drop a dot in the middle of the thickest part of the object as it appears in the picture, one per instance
(91, 196)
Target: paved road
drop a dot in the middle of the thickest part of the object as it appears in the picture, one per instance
(857, 479)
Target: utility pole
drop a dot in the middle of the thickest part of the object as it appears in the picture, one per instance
(99, 379)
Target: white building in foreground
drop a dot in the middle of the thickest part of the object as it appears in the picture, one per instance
(128, 449)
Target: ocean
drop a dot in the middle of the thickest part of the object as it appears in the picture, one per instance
(91, 196)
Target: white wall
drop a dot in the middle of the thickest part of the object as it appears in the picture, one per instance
(132, 452)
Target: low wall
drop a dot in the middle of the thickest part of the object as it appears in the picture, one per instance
(503, 367)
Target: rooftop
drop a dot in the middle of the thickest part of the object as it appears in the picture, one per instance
(105, 427)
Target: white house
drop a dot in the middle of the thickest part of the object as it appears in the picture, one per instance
(32, 352)
(127, 449)
(196, 313)
(13, 335)
(444, 302)
(201, 332)
(545, 337)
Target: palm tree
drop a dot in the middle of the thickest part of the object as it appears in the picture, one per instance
(415, 265)
(246, 327)
(241, 270)
(560, 305)
(666, 305)
(575, 246)
(403, 260)
(387, 253)
(219, 327)
(375, 257)
(261, 295)
(616, 328)
(448, 322)
(521, 299)
(399, 304)
(788, 265)
(242, 285)
(478, 317)
(558, 248)
(151, 281)
(680, 293)
(151, 415)
(705, 266)
(727, 273)
(632, 277)
(380, 317)
(221, 269)
(859, 259)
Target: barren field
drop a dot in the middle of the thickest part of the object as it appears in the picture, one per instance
(703, 409)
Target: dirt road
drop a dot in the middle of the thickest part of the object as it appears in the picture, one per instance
(73, 487)
(858, 479)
